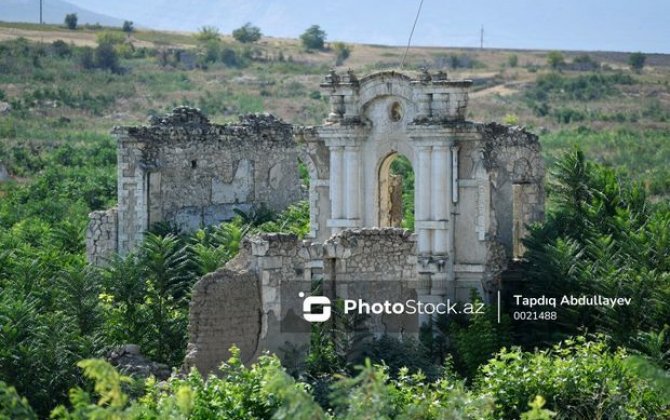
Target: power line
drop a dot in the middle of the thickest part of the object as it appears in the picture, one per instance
(409, 41)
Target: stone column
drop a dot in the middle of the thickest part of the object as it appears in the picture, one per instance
(453, 189)
(440, 206)
(423, 198)
(440, 180)
(352, 191)
(336, 193)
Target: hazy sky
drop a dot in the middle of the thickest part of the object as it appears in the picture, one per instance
(618, 25)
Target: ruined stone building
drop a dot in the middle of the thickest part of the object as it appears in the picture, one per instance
(477, 187)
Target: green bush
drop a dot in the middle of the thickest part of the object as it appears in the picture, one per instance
(578, 379)
(12, 406)
(71, 21)
(313, 38)
(207, 34)
(555, 60)
(106, 58)
(597, 240)
(265, 391)
(127, 26)
(342, 52)
(247, 33)
(637, 60)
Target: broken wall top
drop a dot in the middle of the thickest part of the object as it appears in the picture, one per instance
(185, 123)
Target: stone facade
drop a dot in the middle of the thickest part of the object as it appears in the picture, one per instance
(101, 235)
(477, 187)
(185, 171)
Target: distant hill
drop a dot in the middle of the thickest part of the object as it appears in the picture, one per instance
(53, 11)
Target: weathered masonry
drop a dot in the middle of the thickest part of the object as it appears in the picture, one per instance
(477, 187)
(188, 172)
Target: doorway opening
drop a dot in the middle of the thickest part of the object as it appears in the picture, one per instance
(396, 192)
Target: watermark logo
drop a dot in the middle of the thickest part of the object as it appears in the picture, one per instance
(315, 301)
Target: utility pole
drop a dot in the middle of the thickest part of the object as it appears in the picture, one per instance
(40, 12)
(481, 39)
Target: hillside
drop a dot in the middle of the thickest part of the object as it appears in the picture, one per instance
(594, 98)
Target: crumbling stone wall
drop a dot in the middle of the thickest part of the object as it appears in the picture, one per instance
(316, 156)
(263, 284)
(186, 171)
(372, 254)
(101, 235)
(516, 169)
(241, 304)
(225, 310)
(375, 265)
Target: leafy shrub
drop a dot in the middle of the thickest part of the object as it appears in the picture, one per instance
(230, 58)
(295, 219)
(584, 62)
(71, 21)
(596, 241)
(86, 60)
(106, 58)
(342, 52)
(511, 119)
(61, 49)
(12, 406)
(210, 51)
(555, 60)
(465, 61)
(208, 33)
(578, 378)
(247, 33)
(636, 61)
(127, 26)
(513, 60)
(265, 391)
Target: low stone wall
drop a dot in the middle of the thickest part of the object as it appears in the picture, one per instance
(101, 236)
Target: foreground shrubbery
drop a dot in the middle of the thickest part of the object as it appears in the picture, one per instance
(603, 238)
(577, 379)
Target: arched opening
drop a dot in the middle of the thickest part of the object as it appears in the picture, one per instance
(396, 192)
